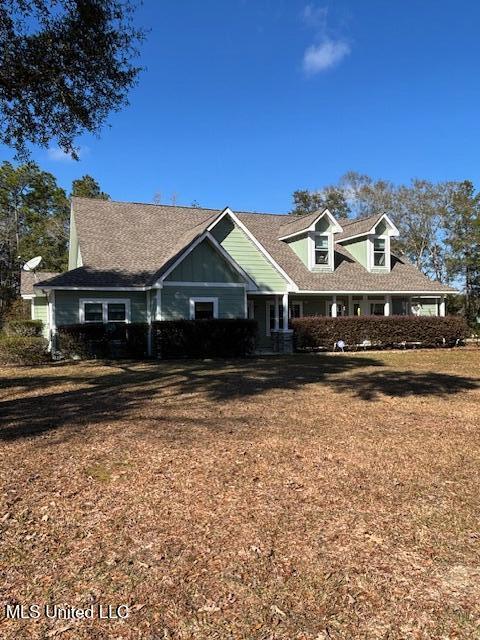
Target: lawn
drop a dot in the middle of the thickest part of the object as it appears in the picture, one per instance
(290, 497)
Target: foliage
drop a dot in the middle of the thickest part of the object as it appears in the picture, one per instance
(330, 197)
(204, 338)
(98, 340)
(88, 187)
(18, 309)
(34, 214)
(29, 328)
(388, 331)
(463, 239)
(65, 65)
(23, 350)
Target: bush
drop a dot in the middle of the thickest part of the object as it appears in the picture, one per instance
(23, 350)
(385, 331)
(204, 338)
(30, 328)
(98, 340)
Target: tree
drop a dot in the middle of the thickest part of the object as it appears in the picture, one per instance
(88, 187)
(462, 225)
(64, 66)
(34, 214)
(330, 197)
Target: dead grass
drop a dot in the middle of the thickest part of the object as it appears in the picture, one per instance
(305, 497)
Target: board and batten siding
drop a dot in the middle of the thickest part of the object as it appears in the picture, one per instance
(204, 264)
(176, 301)
(67, 304)
(40, 312)
(243, 250)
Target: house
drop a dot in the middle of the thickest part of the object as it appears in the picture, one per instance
(132, 262)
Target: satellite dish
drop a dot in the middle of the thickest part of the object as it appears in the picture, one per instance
(32, 264)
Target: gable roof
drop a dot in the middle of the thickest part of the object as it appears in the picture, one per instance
(302, 223)
(127, 244)
(360, 226)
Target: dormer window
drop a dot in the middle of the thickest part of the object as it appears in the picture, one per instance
(379, 252)
(322, 252)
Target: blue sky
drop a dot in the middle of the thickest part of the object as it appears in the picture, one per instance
(244, 101)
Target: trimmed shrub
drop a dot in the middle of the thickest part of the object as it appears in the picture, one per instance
(317, 332)
(30, 328)
(98, 340)
(204, 338)
(23, 350)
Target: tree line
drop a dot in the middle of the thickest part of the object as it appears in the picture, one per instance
(439, 224)
(34, 220)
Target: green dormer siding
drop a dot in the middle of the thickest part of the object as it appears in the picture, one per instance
(204, 264)
(249, 257)
(300, 246)
(358, 248)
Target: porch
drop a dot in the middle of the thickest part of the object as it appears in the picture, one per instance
(269, 310)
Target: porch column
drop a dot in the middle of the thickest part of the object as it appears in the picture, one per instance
(277, 319)
(442, 306)
(388, 305)
(334, 306)
(149, 322)
(285, 311)
(350, 305)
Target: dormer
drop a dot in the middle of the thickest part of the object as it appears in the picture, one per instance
(368, 240)
(311, 237)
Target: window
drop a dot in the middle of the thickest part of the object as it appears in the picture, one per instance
(271, 317)
(116, 312)
(97, 310)
(379, 252)
(321, 251)
(93, 312)
(377, 308)
(203, 308)
(341, 308)
(296, 310)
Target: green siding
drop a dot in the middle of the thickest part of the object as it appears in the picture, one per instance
(204, 264)
(40, 312)
(358, 249)
(300, 246)
(67, 304)
(176, 301)
(243, 250)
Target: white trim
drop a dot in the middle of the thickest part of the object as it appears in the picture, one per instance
(394, 230)
(119, 289)
(216, 245)
(371, 266)
(249, 234)
(158, 309)
(387, 307)
(336, 227)
(441, 307)
(172, 283)
(311, 252)
(28, 296)
(104, 302)
(192, 302)
(427, 294)
(32, 309)
(285, 311)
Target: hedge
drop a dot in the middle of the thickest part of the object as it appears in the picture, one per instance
(24, 328)
(204, 338)
(382, 331)
(23, 350)
(98, 340)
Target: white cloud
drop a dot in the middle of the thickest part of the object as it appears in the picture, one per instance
(55, 154)
(324, 55)
(315, 16)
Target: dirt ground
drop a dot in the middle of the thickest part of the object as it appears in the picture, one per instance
(300, 497)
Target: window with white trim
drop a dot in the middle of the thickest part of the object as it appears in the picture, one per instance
(203, 308)
(379, 252)
(296, 309)
(109, 310)
(322, 250)
(270, 324)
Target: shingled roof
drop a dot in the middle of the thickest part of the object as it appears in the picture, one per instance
(130, 245)
(28, 279)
